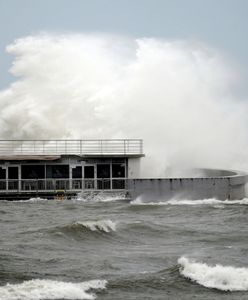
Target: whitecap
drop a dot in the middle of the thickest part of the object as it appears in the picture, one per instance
(225, 278)
(38, 289)
(100, 197)
(101, 225)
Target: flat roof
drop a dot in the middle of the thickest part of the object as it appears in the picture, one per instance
(82, 148)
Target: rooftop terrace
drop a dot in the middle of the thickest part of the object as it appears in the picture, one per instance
(84, 148)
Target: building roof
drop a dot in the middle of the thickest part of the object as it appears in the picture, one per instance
(36, 149)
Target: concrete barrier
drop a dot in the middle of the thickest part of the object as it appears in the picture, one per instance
(219, 184)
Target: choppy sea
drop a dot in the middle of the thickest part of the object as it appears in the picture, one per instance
(108, 248)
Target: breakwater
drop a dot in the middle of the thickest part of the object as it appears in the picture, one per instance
(219, 184)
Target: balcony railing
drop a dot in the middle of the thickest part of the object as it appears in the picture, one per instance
(124, 147)
(54, 185)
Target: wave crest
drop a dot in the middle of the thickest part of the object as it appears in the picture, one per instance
(100, 226)
(225, 278)
(38, 289)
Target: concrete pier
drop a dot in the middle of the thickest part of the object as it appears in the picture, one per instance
(219, 184)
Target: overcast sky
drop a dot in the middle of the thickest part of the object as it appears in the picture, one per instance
(222, 24)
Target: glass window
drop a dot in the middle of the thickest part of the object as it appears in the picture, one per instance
(77, 172)
(33, 172)
(103, 171)
(2, 173)
(118, 170)
(89, 172)
(57, 171)
(13, 172)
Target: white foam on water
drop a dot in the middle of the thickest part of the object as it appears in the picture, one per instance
(225, 278)
(31, 200)
(100, 197)
(101, 225)
(37, 289)
(140, 201)
(212, 201)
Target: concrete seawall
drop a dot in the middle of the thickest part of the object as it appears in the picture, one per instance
(219, 184)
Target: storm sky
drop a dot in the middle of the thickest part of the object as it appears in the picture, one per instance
(221, 24)
(172, 72)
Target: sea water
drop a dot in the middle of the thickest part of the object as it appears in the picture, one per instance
(107, 248)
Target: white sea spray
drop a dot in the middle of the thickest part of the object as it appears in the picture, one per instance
(102, 85)
(37, 289)
(225, 278)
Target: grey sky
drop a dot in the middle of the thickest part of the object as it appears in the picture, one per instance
(220, 23)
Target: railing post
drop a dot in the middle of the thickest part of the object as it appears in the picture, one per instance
(141, 146)
(125, 147)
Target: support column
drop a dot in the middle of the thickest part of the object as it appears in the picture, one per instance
(19, 178)
(70, 177)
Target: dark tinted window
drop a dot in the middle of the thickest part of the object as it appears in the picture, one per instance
(13, 173)
(57, 171)
(77, 172)
(33, 172)
(103, 171)
(2, 173)
(118, 170)
(89, 172)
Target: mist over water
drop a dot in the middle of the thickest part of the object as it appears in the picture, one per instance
(176, 95)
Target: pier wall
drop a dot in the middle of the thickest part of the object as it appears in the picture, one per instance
(230, 185)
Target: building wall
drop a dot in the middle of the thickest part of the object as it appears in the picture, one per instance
(229, 187)
(133, 168)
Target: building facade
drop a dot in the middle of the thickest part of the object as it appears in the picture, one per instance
(66, 167)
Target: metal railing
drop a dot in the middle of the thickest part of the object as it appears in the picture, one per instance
(76, 147)
(54, 185)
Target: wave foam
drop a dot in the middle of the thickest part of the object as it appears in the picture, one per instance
(37, 289)
(101, 225)
(225, 278)
(213, 201)
(32, 200)
(100, 197)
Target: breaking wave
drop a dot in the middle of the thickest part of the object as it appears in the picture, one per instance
(100, 197)
(99, 226)
(225, 278)
(213, 201)
(37, 289)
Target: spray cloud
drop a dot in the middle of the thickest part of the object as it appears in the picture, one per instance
(175, 95)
